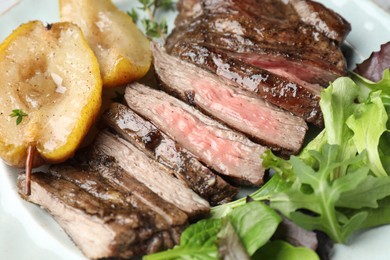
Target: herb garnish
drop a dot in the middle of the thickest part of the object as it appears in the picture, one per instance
(19, 114)
(154, 28)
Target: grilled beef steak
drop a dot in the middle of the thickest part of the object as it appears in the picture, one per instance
(301, 99)
(152, 174)
(149, 139)
(98, 218)
(243, 111)
(299, 49)
(226, 151)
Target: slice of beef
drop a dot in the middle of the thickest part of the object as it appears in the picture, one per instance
(226, 151)
(261, 43)
(284, 38)
(243, 111)
(301, 99)
(286, 13)
(152, 174)
(100, 228)
(149, 139)
(107, 181)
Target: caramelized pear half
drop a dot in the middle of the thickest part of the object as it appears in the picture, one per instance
(122, 50)
(52, 76)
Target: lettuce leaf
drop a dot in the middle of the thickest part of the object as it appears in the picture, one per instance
(280, 250)
(253, 224)
(368, 124)
(198, 241)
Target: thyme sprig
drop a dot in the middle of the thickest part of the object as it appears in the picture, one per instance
(19, 114)
(154, 28)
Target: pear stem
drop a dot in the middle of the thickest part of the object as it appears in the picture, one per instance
(29, 163)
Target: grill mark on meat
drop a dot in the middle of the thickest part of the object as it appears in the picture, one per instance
(151, 173)
(99, 229)
(226, 151)
(186, 167)
(240, 110)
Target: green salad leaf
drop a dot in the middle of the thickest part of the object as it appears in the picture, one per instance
(340, 182)
(255, 223)
(248, 227)
(280, 250)
(198, 241)
(368, 124)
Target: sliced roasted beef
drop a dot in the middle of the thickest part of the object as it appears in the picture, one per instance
(241, 110)
(151, 173)
(279, 37)
(226, 151)
(101, 223)
(149, 139)
(107, 181)
(279, 50)
(301, 98)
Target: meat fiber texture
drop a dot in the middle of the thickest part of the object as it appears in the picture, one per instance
(295, 42)
(101, 219)
(157, 145)
(115, 201)
(257, 118)
(228, 152)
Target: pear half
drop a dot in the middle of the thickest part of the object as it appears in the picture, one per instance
(122, 50)
(51, 74)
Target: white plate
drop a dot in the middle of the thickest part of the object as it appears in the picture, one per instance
(28, 232)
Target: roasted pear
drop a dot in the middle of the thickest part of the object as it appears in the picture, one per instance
(50, 93)
(122, 50)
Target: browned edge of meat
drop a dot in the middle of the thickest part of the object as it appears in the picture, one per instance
(104, 179)
(244, 111)
(269, 45)
(149, 139)
(226, 151)
(98, 228)
(151, 173)
(325, 20)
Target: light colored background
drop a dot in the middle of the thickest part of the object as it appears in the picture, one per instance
(26, 232)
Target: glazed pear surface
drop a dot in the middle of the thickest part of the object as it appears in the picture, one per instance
(51, 74)
(122, 50)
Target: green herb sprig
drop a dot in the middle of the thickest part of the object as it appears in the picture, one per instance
(154, 28)
(19, 114)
